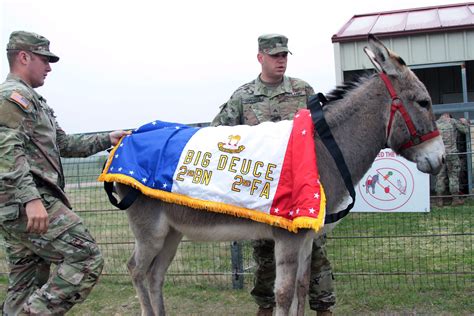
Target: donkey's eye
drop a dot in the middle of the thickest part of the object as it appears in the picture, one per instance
(424, 104)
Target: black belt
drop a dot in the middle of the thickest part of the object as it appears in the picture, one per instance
(128, 200)
(315, 104)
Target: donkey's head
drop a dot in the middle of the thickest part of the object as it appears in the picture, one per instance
(411, 128)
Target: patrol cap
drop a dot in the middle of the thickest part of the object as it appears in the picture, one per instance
(273, 44)
(31, 42)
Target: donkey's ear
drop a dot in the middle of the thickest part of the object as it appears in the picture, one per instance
(383, 59)
(373, 59)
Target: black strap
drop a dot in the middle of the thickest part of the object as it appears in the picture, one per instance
(126, 201)
(315, 104)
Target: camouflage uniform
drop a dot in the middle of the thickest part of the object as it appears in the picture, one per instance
(252, 104)
(31, 143)
(449, 127)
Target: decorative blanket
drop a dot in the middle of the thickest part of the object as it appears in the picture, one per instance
(266, 173)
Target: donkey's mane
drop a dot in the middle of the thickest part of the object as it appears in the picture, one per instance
(342, 90)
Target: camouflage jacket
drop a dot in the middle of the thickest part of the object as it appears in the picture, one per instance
(255, 102)
(448, 128)
(31, 143)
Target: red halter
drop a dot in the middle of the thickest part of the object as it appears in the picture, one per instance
(397, 105)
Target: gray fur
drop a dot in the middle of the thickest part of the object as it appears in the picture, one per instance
(358, 120)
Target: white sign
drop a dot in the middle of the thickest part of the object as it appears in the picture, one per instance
(393, 184)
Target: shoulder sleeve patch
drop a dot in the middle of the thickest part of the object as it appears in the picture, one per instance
(20, 100)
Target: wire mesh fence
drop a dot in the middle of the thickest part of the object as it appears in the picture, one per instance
(367, 250)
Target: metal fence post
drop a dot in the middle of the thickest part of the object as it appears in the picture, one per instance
(465, 99)
(237, 265)
(78, 176)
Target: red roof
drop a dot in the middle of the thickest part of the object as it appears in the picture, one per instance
(407, 22)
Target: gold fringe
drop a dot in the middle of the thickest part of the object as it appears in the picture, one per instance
(111, 156)
(218, 207)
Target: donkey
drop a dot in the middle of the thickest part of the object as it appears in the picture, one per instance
(362, 122)
(371, 183)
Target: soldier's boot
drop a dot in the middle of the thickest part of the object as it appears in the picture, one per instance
(265, 311)
(457, 201)
(324, 313)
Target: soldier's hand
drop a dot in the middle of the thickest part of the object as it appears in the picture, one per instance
(464, 121)
(37, 217)
(116, 135)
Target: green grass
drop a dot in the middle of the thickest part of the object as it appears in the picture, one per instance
(385, 263)
(116, 296)
(387, 251)
(378, 243)
(436, 242)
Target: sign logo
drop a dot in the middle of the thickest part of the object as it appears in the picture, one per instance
(393, 184)
(386, 188)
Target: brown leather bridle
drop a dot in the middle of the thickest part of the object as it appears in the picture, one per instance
(397, 105)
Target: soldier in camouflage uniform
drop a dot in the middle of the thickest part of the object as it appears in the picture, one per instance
(449, 127)
(36, 220)
(272, 96)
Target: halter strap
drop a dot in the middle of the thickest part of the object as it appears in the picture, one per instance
(397, 105)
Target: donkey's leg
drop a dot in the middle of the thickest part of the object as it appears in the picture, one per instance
(139, 282)
(304, 271)
(156, 275)
(287, 246)
(138, 266)
(150, 228)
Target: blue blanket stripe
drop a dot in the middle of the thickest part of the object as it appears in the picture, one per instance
(155, 146)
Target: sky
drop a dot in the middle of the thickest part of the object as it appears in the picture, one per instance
(126, 63)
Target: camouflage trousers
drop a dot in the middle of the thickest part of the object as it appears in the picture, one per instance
(67, 244)
(449, 174)
(321, 290)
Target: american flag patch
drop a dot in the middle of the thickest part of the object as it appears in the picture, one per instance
(20, 100)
